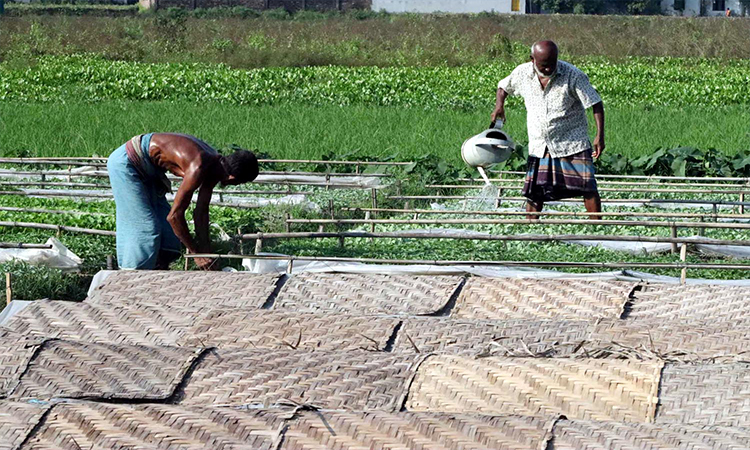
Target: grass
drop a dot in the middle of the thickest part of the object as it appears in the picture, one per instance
(82, 129)
(385, 40)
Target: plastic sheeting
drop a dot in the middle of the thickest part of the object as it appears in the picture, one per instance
(225, 199)
(261, 266)
(333, 181)
(58, 257)
(13, 308)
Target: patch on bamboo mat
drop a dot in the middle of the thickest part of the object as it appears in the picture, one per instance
(670, 340)
(706, 394)
(381, 430)
(492, 338)
(16, 350)
(367, 293)
(252, 328)
(576, 388)
(192, 290)
(332, 380)
(520, 298)
(102, 426)
(135, 325)
(64, 369)
(578, 434)
(17, 420)
(694, 302)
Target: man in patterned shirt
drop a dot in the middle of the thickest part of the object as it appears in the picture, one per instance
(561, 157)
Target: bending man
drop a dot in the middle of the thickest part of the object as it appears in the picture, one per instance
(556, 95)
(149, 231)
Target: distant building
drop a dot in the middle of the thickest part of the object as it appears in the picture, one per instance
(709, 7)
(451, 6)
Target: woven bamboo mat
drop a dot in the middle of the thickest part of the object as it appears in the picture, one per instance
(333, 380)
(185, 289)
(163, 427)
(582, 388)
(518, 298)
(670, 340)
(588, 435)
(16, 350)
(492, 338)
(17, 420)
(84, 370)
(694, 302)
(381, 430)
(252, 328)
(707, 394)
(97, 323)
(367, 294)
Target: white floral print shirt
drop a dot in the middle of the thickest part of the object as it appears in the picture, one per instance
(555, 116)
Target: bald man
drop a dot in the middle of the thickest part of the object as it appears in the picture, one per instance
(150, 232)
(561, 156)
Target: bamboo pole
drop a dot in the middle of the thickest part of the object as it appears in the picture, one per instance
(620, 189)
(57, 228)
(21, 245)
(519, 182)
(50, 211)
(673, 233)
(604, 200)
(647, 177)
(491, 237)
(68, 160)
(683, 258)
(591, 222)
(8, 288)
(607, 265)
(551, 213)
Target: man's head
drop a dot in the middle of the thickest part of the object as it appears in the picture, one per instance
(240, 167)
(544, 58)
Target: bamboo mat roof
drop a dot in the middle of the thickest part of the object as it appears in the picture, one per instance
(195, 360)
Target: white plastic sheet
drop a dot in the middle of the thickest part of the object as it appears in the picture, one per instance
(262, 266)
(58, 257)
(13, 308)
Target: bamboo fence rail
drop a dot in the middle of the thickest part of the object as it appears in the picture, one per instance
(22, 245)
(57, 228)
(615, 189)
(645, 177)
(418, 212)
(491, 237)
(588, 222)
(686, 183)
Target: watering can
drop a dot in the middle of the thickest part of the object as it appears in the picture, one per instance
(491, 146)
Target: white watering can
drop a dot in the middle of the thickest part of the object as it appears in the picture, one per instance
(491, 146)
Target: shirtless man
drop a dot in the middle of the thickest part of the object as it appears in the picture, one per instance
(150, 233)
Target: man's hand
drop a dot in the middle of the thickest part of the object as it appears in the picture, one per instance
(498, 113)
(206, 263)
(598, 146)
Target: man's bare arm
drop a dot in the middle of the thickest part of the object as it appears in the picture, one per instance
(598, 110)
(499, 112)
(200, 218)
(176, 217)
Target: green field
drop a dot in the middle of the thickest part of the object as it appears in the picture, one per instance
(309, 132)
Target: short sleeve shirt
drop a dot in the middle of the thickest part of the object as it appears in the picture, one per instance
(555, 116)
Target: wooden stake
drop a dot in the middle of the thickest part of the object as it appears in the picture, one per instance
(742, 200)
(290, 266)
(683, 258)
(673, 232)
(8, 288)
(258, 246)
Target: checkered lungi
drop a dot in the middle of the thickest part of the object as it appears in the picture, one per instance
(549, 179)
